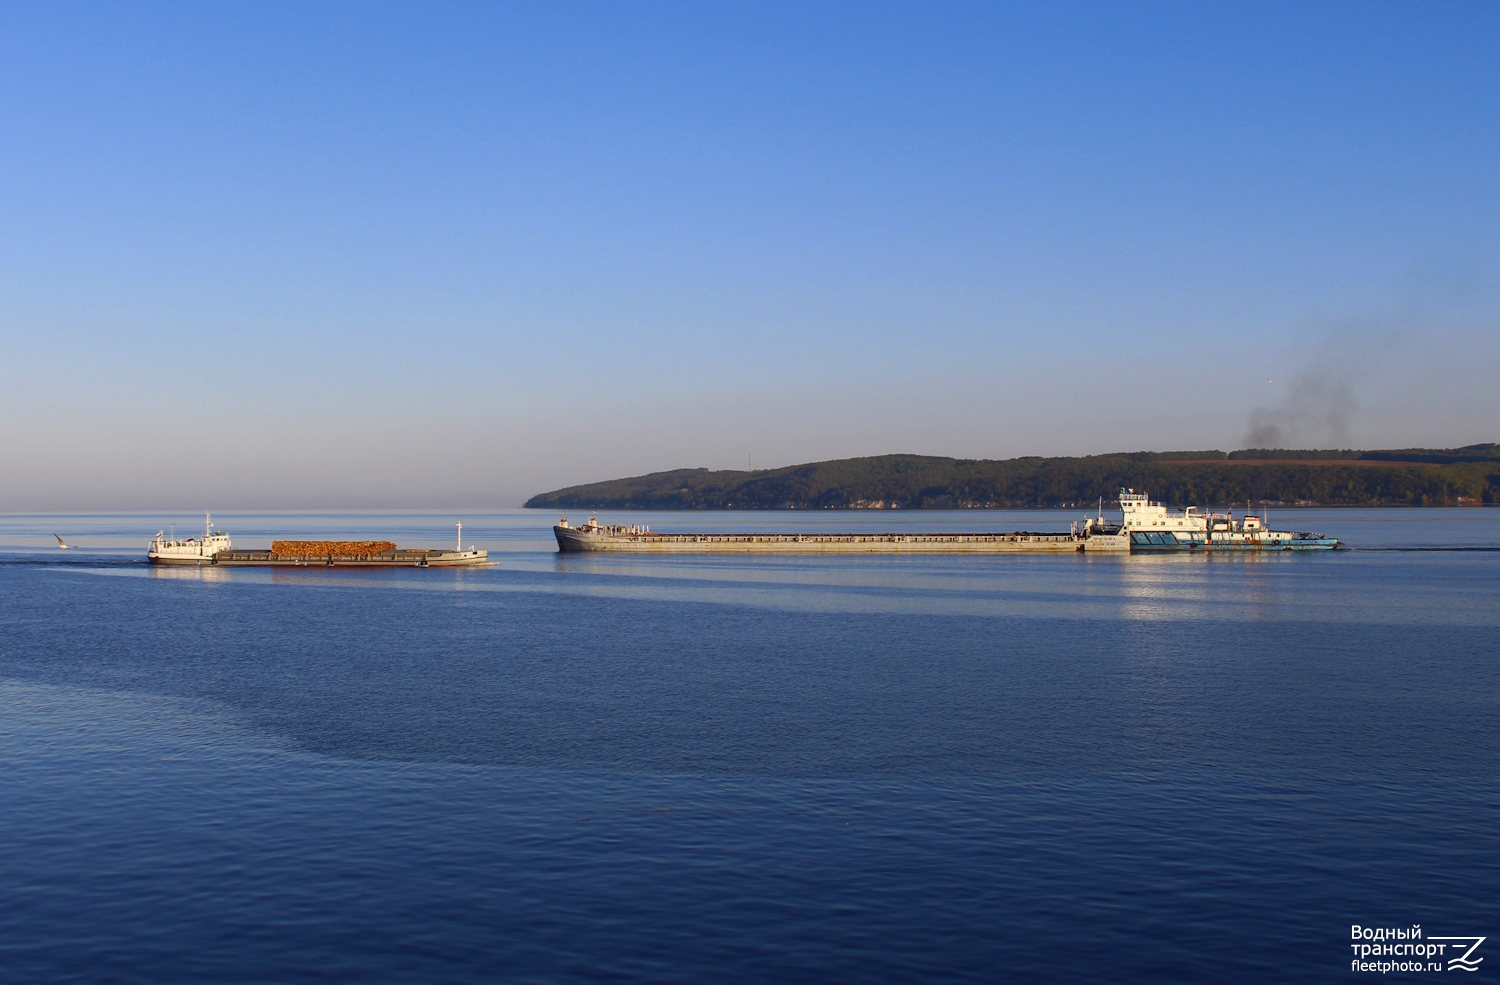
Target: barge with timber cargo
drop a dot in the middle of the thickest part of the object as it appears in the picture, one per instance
(216, 549)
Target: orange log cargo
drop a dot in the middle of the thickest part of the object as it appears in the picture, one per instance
(330, 548)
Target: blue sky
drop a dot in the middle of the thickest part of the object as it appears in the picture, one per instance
(273, 255)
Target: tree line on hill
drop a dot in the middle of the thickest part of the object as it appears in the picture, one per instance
(1324, 477)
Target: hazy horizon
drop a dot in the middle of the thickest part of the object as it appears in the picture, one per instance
(388, 256)
(418, 506)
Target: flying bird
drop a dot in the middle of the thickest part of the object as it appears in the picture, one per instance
(61, 543)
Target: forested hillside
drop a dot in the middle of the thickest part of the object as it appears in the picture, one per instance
(1334, 477)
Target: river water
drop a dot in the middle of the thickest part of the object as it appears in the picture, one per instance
(883, 769)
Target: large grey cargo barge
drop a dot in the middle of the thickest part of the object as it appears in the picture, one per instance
(596, 537)
(1145, 527)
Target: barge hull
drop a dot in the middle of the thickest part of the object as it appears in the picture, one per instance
(1153, 542)
(390, 559)
(573, 539)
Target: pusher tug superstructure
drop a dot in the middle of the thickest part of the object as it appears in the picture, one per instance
(1156, 527)
(215, 549)
(191, 551)
(1144, 527)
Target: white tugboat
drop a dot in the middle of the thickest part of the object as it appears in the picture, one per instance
(1155, 527)
(191, 551)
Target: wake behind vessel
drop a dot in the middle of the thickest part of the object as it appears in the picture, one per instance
(215, 549)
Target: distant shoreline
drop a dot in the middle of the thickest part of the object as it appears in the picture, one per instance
(1276, 478)
(1005, 509)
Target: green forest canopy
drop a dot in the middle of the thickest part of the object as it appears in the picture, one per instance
(1324, 477)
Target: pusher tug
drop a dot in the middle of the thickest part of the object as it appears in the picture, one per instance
(1154, 527)
(190, 551)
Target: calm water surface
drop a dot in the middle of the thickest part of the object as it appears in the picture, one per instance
(556, 769)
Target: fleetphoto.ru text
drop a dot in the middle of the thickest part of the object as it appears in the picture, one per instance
(1404, 949)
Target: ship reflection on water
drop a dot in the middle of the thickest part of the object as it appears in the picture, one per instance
(184, 572)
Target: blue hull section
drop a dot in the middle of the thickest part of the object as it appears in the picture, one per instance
(1148, 541)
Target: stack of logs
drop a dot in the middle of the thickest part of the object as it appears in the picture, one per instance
(329, 548)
